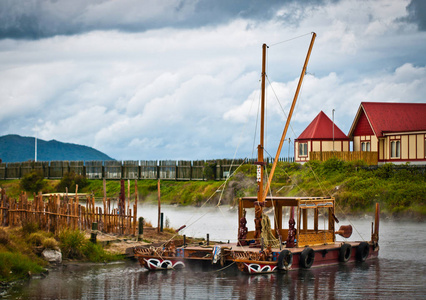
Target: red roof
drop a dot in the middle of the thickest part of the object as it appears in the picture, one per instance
(379, 118)
(321, 128)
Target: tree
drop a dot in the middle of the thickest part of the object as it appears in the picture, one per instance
(33, 182)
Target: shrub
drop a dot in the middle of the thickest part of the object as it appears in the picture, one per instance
(50, 243)
(72, 243)
(209, 170)
(70, 180)
(96, 253)
(33, 182)
(36, 238)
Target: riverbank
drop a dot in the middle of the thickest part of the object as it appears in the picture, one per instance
(400, 191)
(22, 250)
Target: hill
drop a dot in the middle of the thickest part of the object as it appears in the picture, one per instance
(16, 148)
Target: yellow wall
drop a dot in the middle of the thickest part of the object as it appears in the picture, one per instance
(404, 146)
(316, 146)
(421, 146)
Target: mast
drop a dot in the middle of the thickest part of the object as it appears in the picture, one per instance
(260, 162)
(271, 175)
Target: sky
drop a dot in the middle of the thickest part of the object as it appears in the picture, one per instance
(180, 80)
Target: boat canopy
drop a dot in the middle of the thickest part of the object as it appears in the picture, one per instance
(299, 208)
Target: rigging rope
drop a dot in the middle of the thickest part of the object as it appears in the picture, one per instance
(294, 38)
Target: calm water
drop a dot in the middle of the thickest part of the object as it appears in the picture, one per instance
(398, 273)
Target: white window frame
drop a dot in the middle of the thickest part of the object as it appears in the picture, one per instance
(395, 147)
(303, 149)
(366, 146)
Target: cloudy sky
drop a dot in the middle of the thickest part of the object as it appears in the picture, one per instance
(170, 79)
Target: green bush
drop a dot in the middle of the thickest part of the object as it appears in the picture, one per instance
(209, 170)
(33, 182)
(72, 243)
(96, 253)
(70, 180)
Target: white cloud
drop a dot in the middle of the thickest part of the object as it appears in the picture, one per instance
(192, 92)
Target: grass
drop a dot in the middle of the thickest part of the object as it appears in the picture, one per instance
(18, 247)
(74, 245)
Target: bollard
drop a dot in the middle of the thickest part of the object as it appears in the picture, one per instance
(94, 232)
(161, 222)
(208, 239)
(140, 229)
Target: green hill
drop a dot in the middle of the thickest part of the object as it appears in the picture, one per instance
(15, 148)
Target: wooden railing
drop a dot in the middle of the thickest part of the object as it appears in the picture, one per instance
(371, 158)
(57, 212)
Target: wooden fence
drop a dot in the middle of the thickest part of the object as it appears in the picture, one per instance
(134, 169)
(371, 158)
(57, 212)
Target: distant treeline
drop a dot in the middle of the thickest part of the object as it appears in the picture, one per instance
(145, 169)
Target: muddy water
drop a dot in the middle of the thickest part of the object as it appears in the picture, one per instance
(398, 273)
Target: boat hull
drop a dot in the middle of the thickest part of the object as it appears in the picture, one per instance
(155, 263)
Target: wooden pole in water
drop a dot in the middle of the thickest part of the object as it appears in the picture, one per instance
(104, 203)
(159, 205)
(135, 207)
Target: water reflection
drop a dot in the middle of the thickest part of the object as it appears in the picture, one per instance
(397, 273)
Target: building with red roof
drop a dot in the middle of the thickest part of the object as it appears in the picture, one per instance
(396, 131)
(321, 135)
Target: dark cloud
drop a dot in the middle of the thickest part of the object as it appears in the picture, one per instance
(417, 13)
(34, 19)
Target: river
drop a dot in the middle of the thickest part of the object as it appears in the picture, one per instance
(398, 273)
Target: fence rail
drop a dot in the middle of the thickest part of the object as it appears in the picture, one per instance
(371, 158)
(144, 169)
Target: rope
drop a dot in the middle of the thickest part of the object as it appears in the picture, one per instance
(224, 268)
(294, 38)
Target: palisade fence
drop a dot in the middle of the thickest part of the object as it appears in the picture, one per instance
(54, 213)
(131, 169)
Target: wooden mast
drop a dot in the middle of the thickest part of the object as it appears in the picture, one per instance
(271, 174)
(260, 162)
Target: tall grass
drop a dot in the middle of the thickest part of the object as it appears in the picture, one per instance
(14, 265)
(74, 245)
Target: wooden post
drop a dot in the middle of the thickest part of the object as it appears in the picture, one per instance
(159, 205)
(135, 207)
(140, 229)
(104, 203)
(94, 232)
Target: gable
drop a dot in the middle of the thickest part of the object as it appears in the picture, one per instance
(388, 117)
(363, 126)
(321, 128)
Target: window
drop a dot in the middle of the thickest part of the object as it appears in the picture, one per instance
(365, 146)
(395, 149)
(303, 149)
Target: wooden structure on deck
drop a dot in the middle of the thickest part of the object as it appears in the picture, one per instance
(303, 207)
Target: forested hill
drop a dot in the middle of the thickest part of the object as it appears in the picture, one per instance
(15, 148)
